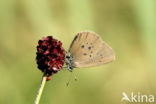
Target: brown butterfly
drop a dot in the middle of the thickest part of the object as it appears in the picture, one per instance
(88, 50)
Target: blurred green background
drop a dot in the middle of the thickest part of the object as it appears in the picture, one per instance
(128, 26)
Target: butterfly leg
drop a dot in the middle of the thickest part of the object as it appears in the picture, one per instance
(75, 78)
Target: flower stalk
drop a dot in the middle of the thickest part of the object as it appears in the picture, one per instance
(43, 81)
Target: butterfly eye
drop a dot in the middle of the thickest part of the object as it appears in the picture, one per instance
(68, 57)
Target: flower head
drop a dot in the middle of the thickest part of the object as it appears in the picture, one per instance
(50, 55)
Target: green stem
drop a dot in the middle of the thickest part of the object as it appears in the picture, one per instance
(37, 100)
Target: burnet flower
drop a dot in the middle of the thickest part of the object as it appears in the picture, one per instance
(50, 55)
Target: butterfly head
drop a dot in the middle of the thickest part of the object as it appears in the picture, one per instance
(68, 61)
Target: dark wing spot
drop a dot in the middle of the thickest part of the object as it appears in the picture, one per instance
(90, 55)
(89, 48)
(91, 43)
(101, 55)
(82, 46)
(85, 54)
(86, 43)
(91, 51)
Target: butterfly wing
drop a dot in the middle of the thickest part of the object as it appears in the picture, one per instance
(88, 49)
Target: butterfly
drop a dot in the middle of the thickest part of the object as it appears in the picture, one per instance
(88, 50)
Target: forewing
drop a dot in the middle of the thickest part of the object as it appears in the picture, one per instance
(88, 50)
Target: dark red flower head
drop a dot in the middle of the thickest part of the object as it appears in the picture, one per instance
(50, 55)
